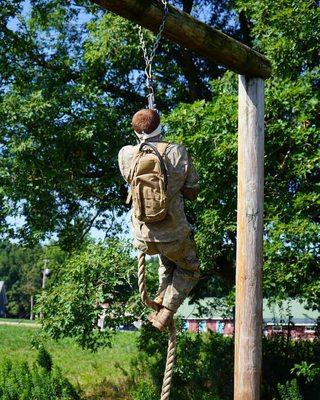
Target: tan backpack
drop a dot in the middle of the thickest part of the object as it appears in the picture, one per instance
(148, 179)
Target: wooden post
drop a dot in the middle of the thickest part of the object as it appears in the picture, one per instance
(248, 334)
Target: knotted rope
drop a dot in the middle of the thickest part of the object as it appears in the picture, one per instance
(166, 385)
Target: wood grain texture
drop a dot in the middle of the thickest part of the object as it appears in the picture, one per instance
(193, 34)
(248, 339)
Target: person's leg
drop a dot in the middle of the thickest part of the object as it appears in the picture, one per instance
(184, 268)
(166, 268)
(185, 275)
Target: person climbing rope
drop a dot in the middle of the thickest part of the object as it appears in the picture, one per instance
(160, 176)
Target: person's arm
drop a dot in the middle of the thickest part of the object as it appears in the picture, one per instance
(191, 188)
(125, 157)
(122, 164)
(190, 193)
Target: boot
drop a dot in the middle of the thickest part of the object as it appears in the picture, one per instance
(163, 319)
(159, 298)
(152, 316)
(154, 313)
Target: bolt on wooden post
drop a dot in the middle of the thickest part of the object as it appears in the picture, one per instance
(248, 333)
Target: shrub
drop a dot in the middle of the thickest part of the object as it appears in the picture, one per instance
(144, 391)
(20, 382)
(204, 366)
(203, 369)
(44, 359)
(289, 391)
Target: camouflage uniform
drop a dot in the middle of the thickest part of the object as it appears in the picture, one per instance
(170, 238)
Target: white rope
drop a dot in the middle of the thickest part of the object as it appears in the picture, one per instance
(172, 342)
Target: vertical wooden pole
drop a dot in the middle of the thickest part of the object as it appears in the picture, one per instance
(248, 334)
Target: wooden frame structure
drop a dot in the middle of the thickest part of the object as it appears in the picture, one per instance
(252, 68)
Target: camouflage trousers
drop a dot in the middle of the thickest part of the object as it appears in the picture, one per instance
(178, 269)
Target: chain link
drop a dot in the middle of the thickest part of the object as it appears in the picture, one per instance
(149, 58)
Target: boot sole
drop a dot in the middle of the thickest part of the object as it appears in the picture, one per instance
(159, 326)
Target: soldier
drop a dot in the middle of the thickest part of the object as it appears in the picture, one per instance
(169, 234)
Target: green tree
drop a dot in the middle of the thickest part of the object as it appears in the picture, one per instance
(292, 146)
(71, 78)
(21, 270)
(292, 195)
(99, 273)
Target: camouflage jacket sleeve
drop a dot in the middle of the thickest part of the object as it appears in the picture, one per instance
(124, 160)
(192, 178)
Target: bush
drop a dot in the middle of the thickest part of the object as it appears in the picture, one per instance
(204, 367)
(44, 359)
(280, 359)
(20, 382)
(144, 391)
(289, 391)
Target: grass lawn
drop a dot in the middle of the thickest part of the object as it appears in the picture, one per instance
(88, 370)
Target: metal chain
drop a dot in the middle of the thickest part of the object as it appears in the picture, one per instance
(149, 58)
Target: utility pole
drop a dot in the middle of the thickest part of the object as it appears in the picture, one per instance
(45, 274)
(31, 307)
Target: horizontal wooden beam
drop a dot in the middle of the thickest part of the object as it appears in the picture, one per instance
(193, 34)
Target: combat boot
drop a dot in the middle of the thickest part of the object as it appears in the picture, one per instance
(154, 313)
(159, 298)
(163, 319)
(152, 316)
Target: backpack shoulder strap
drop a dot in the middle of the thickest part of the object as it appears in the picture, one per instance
(162, 147)
(134, 161)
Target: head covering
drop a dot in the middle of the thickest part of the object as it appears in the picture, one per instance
(143, 136)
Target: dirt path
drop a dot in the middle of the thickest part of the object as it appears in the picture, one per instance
(17, 323)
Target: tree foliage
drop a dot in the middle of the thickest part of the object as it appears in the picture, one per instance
(101, 273)
(21, 269)
(71, 76)
(292, 232)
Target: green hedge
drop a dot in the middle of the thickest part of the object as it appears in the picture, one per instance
(204, 367)
(19, 381)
